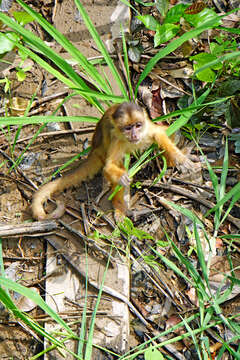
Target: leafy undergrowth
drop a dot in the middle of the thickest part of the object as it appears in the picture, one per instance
(182, 62)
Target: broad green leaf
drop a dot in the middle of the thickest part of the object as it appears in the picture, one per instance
(8, 41)
(165, 33)
(175, 13)
(219, 60)
(202, 18)
(205, 58)
(217, 49)
(207, 75)
(153, 354)
(21, 75)
(22, 17)
(202, 59)
(162, 6)
(149, 21)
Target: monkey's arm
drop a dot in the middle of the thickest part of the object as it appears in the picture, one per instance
(174, 156)
(114, 170)
(116, 174)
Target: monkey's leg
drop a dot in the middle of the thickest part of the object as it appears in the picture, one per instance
(120, 203)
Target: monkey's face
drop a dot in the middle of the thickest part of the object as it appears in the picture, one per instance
(129, 119)
(133, 132)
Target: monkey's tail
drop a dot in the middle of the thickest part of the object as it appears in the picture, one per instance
(86, 170)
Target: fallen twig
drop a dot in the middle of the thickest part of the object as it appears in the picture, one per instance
(28, 228)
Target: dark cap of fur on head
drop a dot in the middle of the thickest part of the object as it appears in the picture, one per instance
(126, 108)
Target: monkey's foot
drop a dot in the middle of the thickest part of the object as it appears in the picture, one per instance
(119, 216)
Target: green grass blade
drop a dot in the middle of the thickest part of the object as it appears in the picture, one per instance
(231, 30)
(221, 189)
(142, 161)
(88, 352)
(187, 114)
(212, 175)
(235, 198)
(186, 213)
(171, 265)
(235, 191)
(190, 108)
(201, 256)
(37, 299)
(16, 120)
(198, 282)
(44, 49)
(102, 48)
(105, 97)
(45, 65)
(126, 64)
(194, 338)
(37, 44)
(20, 158)
(224, 173)
(67, 163)
(125, 2)
(84, 314)
(164, 168)
(9, 304)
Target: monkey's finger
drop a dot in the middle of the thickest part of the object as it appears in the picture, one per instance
(125, 180)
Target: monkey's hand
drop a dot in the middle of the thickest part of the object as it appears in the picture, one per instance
(125, 180)
(190, 169)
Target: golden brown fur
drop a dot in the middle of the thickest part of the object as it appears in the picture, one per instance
(123, 129)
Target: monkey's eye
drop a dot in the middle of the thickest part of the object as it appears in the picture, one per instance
(128, 128)
(138, 125)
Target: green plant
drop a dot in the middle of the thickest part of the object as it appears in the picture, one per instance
(9, 39)
(223, 57)
(170, 25)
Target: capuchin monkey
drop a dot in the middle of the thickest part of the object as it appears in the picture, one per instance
(124, 128)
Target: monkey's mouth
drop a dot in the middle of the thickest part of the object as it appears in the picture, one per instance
(134, 141)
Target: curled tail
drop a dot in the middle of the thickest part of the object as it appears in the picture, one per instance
(86, 170)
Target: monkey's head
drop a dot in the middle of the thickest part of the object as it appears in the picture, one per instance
(129, 119)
